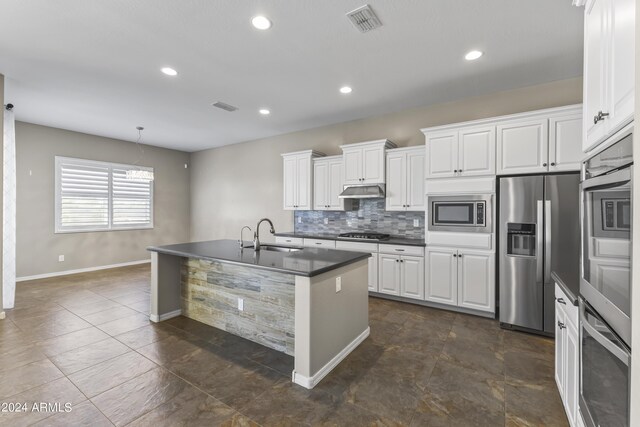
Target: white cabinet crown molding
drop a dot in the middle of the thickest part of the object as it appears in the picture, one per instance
(547, 112)
(385, 142)
(413, 148)
(312, 153)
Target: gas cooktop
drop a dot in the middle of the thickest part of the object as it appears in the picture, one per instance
(363, 235)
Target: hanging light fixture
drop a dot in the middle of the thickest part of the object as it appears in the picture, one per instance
(136, 173)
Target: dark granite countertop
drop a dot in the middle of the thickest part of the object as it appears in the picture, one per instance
(389, 241)
(569, 285)
(306, 262)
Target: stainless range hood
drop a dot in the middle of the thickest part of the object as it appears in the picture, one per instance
(363, 191)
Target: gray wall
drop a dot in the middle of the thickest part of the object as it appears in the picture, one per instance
(38, 246)
(238, 184)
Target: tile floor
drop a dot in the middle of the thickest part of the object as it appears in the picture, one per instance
(86, 340)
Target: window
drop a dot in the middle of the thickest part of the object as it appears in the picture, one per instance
(98, 196)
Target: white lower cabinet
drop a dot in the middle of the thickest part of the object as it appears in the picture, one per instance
(567, 356)
(412, 277)
(373, 273)
(389, 274)
(476, 280)
(462, 278)
(401, 275)
(442, 276)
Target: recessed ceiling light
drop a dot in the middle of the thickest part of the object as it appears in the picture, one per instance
(345, 89)
(264, 112)
(261, 22)
(169, 71)
(474, 54)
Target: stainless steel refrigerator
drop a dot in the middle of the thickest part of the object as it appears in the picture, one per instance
(539, 231)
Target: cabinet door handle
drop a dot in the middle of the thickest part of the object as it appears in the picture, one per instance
(455, 171)
(599, 116)
(454, 255)
(544, 164)
(397, 260)
(401, 260)
(561, 301)
(561, 325)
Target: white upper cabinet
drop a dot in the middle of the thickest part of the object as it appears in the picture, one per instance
(477, 151)
(405, 179)
(298, 179)
(522, 147)
(465, 152)
(609, 68)
(595, 32)
(364, 162)
(442, 154)
(565, 136)
(327, 183)
(532, 142)
(396, 182)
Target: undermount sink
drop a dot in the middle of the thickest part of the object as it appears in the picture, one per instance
(279, 248)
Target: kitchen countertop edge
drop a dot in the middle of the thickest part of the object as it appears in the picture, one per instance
(568, 290)
(390, 241)
(313, 273)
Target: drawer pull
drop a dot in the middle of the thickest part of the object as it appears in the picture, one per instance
(399, 250)
(318, 243)
(561, 301)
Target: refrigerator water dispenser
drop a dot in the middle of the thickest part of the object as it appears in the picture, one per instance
(521, 239)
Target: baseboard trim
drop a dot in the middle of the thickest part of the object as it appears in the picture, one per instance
(479, 313)
(159, 318)
(81, 270)
(311, 382)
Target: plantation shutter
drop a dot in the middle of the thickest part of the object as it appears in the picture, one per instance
(98, 196)
(83, 196)
(131, 200)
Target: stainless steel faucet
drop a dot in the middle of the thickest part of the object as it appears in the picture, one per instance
(256, 234)
(241, 241)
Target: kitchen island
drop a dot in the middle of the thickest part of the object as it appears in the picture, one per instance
(311, 303)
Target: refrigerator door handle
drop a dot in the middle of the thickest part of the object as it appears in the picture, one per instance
(547, 241)
(539, 243)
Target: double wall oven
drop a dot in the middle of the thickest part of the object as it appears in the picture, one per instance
(605, 286)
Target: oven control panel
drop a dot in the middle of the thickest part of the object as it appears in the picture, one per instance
(480, 213)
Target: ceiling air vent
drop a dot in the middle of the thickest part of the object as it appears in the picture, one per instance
(364, 19)
(224, 106)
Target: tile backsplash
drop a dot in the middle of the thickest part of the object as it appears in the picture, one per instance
(370, 216)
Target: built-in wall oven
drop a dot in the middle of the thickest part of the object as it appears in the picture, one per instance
(470, 213)
(605, 285)
(605, 372)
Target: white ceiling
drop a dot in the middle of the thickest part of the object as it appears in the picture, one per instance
(93, 65)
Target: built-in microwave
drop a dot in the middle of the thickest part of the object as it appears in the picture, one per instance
(470, 213)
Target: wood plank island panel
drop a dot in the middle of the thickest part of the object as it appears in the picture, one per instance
(210, 292)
